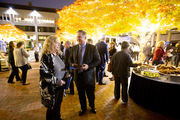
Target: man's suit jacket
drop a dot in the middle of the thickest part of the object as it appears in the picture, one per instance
(66, 57)
(91, 58)
(103, 52)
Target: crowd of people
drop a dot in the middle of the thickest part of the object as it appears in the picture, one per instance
(83, 59)
(17, 58)
(162, 54)
(85, 63)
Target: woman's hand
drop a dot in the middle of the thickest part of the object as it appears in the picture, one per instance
(68, 75)
(61, 83)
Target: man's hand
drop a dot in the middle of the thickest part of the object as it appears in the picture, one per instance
(74, 65)
(85, 66)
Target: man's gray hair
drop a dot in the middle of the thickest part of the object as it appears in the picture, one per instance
(68, 42)
(102, 37)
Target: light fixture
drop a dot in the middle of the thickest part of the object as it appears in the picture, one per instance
(35, 13)
(11, 11)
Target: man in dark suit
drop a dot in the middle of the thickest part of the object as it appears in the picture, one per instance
(104, 55)
(84, 58)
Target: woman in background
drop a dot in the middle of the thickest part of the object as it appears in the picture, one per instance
(14, 71)
(159, 54)
(112, 50)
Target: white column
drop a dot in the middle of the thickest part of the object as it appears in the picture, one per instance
(169, 36)
(152, 39)
(36, 28)
(158, 37)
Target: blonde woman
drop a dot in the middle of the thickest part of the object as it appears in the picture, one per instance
(52, 78)
(159, 53)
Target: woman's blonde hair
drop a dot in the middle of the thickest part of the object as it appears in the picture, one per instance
(176, 44)
(48, 45)
(160, 43)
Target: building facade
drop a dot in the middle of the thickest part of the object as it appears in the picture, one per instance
(37, 22)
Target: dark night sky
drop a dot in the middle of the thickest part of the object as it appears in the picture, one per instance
(59, 4)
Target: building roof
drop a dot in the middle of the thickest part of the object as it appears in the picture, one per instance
(26, 7)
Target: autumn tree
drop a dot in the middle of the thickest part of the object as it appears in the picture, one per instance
(113, 17)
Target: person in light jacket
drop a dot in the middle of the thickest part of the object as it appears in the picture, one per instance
(20, 58)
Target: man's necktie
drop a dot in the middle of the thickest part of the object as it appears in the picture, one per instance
(79, 56)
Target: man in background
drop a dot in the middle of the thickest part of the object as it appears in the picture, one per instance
(121, 63)
(147, 52)
(104, 55)
(90, 41)
(67, 64)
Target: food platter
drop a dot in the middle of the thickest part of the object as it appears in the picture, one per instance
(147, 66)
(150, 73)
(156, 71)
(168, 70)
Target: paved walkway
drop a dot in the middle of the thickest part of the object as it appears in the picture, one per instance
(19, 102)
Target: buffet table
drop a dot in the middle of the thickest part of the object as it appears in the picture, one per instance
(159, 95)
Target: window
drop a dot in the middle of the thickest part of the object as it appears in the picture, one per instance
(26, 28)
(1, 18)
(4, 17)
(107, 40)
(113, 40)
(46, 29)
(17, 18)
(7, 17)
(29, 28)
(28, 36)
(42, 37)
(29, 19)
(45, 20)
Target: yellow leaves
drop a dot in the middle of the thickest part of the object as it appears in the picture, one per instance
(9, 30)
(117, 16)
